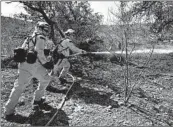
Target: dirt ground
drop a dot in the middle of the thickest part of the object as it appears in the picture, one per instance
(98, 102)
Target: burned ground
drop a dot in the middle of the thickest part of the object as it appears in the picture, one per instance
(99, 102)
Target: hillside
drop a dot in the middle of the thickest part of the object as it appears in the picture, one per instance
(13, 32)
(97, 98)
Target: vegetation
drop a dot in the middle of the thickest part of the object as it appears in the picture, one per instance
(13, 33)
(124, 89)
(76, 15)
(160, 11)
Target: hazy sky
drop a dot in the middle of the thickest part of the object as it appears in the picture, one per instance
(98, 6)
(102, 7)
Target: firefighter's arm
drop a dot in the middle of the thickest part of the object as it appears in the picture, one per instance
(39, 47)
(73, 48)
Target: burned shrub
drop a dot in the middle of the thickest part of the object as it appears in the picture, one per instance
(117, 59)
(9, 62)
(99, 57)
(76, 67)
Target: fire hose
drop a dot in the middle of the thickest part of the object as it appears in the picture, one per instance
(66, 95)
(62, 102)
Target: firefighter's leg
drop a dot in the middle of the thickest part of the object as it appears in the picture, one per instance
(19, 86)
(64, 71)
(44, 79)
(57, 69)
(65, 68)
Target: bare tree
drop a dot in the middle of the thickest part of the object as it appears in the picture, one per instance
(76, 15)
(128, 32)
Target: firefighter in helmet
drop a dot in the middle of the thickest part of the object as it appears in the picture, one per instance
(66, 45)
(35, 66)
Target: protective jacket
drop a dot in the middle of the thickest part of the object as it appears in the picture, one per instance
(27, 71)
(66, 46)
(62, 66)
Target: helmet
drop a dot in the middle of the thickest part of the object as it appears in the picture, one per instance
(69, 31)
(43, 25)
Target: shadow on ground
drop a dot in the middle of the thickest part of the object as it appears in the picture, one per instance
(88, 95)
(42, 117)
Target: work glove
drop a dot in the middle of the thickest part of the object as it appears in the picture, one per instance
(84, 52)
(46, 52)
(57, 55)
(48, 65)
(60, 55)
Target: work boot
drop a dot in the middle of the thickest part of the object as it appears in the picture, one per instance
(10, 116)
(77, 88)
(62, 80)
(38, 104)
(42, 104)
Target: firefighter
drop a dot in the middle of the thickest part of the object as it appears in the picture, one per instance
(36, 65)
(62, 66)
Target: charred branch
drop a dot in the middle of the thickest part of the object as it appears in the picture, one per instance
(47, 19)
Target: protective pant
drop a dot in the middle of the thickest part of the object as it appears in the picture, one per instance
(62, 68)
(26, 73)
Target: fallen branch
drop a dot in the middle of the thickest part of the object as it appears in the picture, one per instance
(154, 82)
(149, 115)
